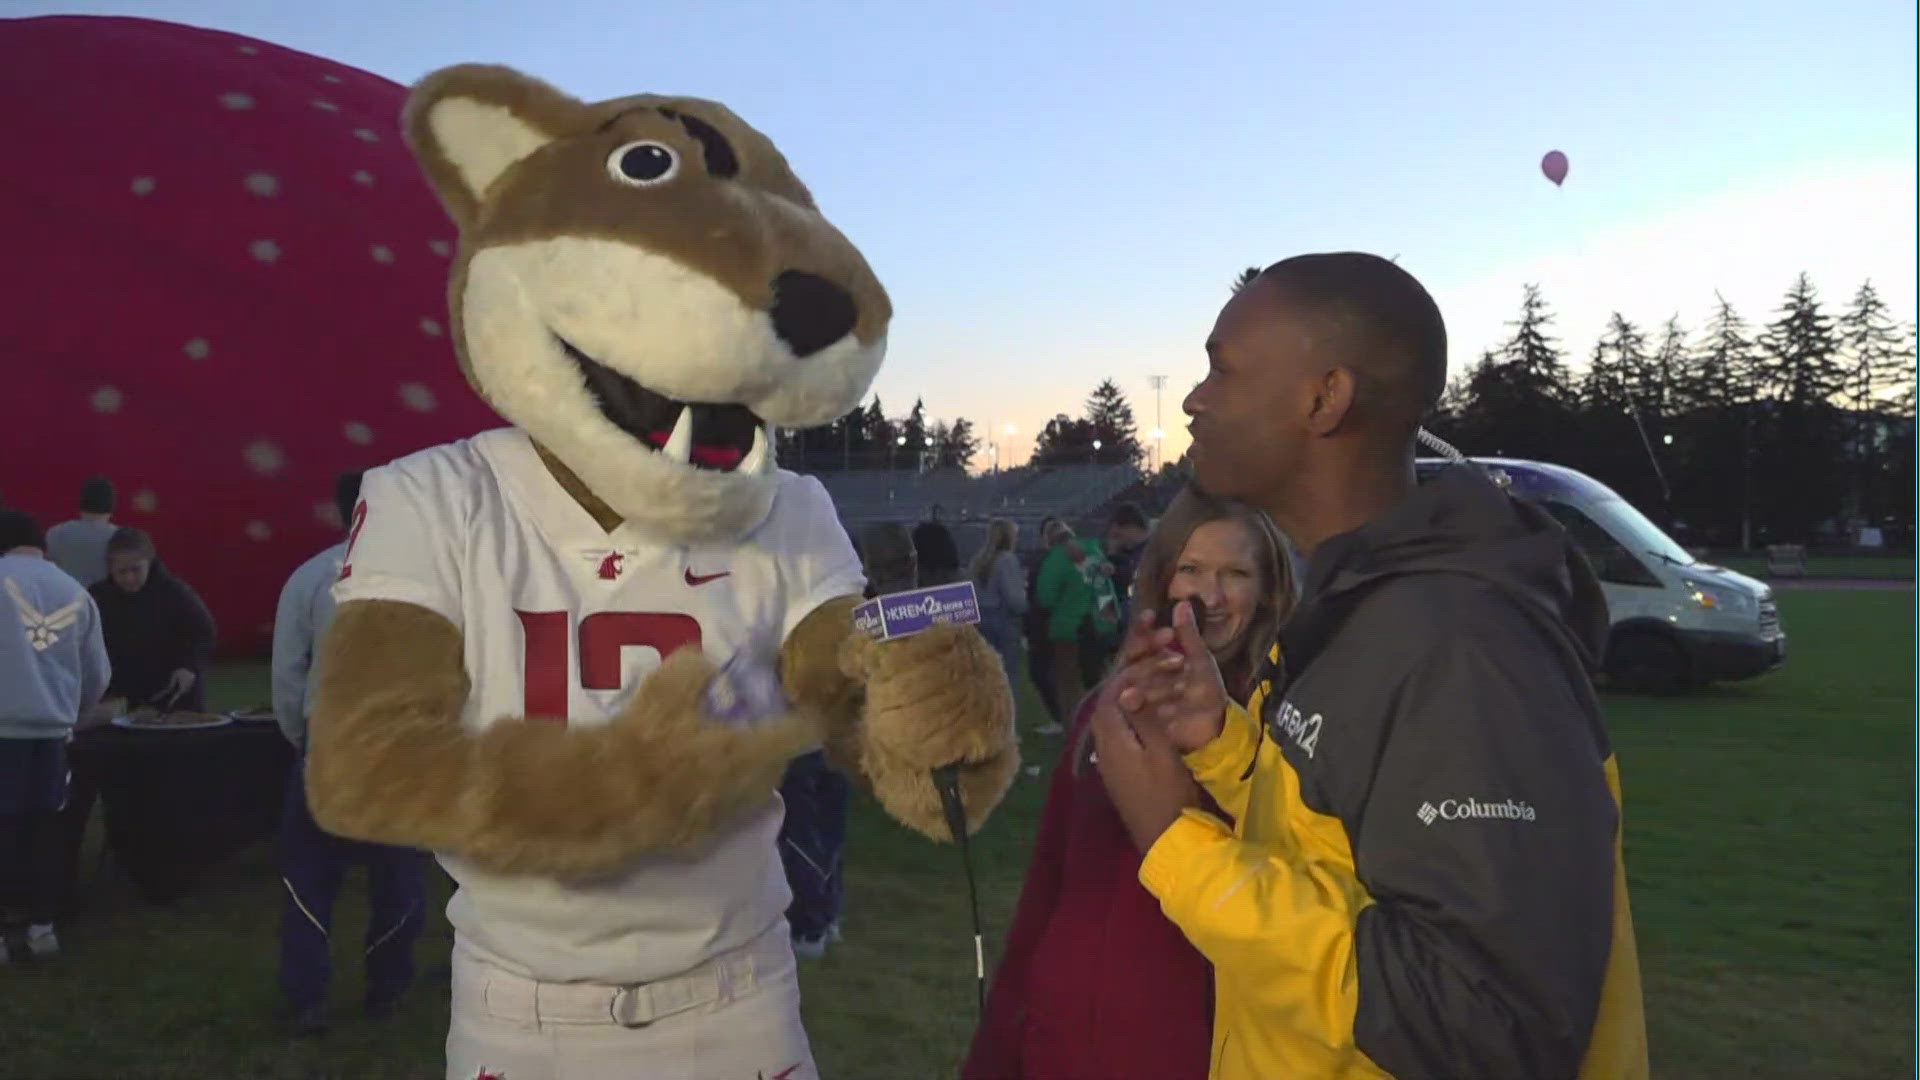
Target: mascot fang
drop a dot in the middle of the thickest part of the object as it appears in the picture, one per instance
(517, 675)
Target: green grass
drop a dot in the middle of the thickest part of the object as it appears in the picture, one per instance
(1769, 840)
(1864, 567)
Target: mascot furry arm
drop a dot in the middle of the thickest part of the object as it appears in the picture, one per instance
(684, 263)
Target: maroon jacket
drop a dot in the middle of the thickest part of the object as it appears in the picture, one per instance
(1095, 983)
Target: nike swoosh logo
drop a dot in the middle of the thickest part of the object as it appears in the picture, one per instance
(697, 580)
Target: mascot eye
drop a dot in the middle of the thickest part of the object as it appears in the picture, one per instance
(643, 164)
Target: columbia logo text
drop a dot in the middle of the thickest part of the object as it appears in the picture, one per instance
(1461, 809)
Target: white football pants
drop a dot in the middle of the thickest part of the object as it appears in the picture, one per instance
(736, 1017)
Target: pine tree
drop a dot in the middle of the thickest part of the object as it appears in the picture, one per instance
(1111, 419)
(1799, 352)
(1064, 441)
(1616, 377)
(914, 427)
(1246, 278)
(1667, 369)
(1725, 370)
(1534, 356)
(1873, 348)
(955, 446)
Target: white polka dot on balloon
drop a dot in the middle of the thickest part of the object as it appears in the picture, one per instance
(234, 99)
(440, 248)
(417, 397)
(107, 400)
(430, 327)
(143, 185)
(382, 254)
(198, 348)
(264, 250)
(259, 530)
(145, 501)
(263, 184)
(334, 79)
(366, 135)
(327, 514)
(264, 457)
(357, 433)
(363, 178)
(324, 105)
(249, 50)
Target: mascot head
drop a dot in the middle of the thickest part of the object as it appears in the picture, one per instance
(645, 288)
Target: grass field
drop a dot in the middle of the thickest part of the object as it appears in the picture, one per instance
(1862, 567)
(1769, 838)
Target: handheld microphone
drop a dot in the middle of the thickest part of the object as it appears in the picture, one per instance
(946, 781)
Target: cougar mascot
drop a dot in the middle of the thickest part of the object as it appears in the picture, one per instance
(518, 674)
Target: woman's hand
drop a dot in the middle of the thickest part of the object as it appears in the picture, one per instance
(1171, 679)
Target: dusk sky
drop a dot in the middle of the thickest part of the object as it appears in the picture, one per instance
(1058, 192)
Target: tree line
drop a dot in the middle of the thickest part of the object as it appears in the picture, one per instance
(867, 438)
(1800, 430)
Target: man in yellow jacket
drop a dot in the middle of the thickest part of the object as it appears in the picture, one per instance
(1422, 876)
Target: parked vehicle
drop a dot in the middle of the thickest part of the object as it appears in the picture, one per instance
(1677, 622)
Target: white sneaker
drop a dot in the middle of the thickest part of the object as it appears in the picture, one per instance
(41, 942)
(810, 948)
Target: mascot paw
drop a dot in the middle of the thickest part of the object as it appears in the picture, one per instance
(937, 698)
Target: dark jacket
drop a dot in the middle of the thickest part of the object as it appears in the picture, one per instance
(1430, 797)
(151, 634)
(939, 556)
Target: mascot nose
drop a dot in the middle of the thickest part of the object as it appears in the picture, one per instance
(810, 312)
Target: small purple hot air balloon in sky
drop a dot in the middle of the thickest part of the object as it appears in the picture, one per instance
(1554, 166)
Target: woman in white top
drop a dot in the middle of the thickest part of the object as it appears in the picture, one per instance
(1001, 583)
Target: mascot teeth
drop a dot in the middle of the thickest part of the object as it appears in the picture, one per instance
(679, 445)
(755, 462)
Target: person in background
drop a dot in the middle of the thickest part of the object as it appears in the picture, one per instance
(1094, 981)
(1126, 537)
(79, 546)
(933, 545)
(995, 573)
(159, 634)
(813, 834)
(1083, 614)
(1039, 647)
(1424, 874)
(313, 862)
(53, 665)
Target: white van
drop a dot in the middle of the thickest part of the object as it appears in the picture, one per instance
(1677, 622)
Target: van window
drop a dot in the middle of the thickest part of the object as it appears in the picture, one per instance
(1611, 562)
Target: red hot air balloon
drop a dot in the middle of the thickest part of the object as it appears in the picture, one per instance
(226, 283)
(1554, 166)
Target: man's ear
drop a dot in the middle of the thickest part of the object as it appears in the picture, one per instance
(1333, 395)
(470, 123)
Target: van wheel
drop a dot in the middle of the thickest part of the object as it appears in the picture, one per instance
(1648, 663)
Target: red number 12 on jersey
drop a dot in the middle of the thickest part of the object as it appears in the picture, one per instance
(602, 636)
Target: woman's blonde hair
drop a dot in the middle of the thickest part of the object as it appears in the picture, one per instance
(1002, 534)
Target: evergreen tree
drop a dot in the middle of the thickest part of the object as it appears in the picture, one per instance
(1665, 371)
(1246, 278)
(1799, 352)
(1615, 377)
(1873, 350)
(1111, 418)
(1064, 441)
(957, 445)
(914, 427)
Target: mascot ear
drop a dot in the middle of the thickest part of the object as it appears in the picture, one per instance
(470, 123)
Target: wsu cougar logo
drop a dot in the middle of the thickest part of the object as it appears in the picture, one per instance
(610, 566)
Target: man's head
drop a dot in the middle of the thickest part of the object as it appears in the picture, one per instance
(1322, 361)
(96, 496)
(892, 564)
(130, 558)
(18, 529)
(1127, 528)
(346, 494)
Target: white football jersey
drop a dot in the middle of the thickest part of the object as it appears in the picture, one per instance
(561, 618)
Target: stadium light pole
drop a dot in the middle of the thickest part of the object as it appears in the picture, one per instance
(1159, 383)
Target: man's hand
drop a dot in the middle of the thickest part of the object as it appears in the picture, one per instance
(177, 686)
(1170, 679)
(1145, 778)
